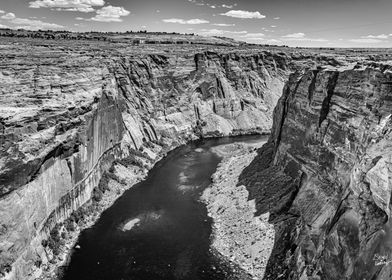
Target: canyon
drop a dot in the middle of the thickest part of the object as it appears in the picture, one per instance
(73, 111)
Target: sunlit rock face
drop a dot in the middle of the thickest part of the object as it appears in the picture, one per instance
(325, 175)
(67, 113)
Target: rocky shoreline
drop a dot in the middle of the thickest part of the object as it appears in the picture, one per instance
(238, 235)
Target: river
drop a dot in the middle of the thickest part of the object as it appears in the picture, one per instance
(158, 229)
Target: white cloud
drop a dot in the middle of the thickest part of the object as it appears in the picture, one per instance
(8, 16)
(183, 21)
(32, 24)
(254, 35)
(2, 12)
(295, 35)
(219, 32)
(276, 17)
(110, 14)
(227, 6)
(3, 26)
(301, 37)
(273, 26)
(243, 14)
(272, 41)
(212, 7)
(224, 24)
(366, 40)
(308, 39)
(84, 6)
(197, 3)
(381, 36)
(29, 24)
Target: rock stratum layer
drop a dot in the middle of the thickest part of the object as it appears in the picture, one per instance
(68, 112)
(325, 176)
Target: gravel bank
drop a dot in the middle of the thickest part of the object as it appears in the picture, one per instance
(238, 235)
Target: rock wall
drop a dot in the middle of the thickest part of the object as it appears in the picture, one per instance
(65, 116)
(324, 175)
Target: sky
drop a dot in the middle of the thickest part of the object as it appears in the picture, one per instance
(309, 23)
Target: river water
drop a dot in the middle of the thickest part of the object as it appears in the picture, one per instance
(158, 229)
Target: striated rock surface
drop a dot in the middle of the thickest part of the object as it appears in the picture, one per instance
(69, 111)
(324, 175)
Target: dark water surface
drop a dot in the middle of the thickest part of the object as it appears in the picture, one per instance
(171, 237)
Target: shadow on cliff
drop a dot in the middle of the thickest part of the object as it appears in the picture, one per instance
(274, 192)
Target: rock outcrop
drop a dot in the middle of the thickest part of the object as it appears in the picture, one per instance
(67, 114)
(324, 176)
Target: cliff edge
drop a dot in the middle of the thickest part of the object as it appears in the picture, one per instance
(324, 175)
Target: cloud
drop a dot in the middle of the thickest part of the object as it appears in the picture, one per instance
(273, 41)
(273, 26)
(84, 6)
(224, 24)
(381, 36)
(2, 12)
(301, 37)
(295, 35)
(3, 26)
(243, 14)
(110, 14)
(8, 16)
(366, 40)
(29, 24)
(276, 17)
(307, 39)
(254, 36)
(196, 3)
(183, 21)
(32, 24)
(227, 6)
(219, 32)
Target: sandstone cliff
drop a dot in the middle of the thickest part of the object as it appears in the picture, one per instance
(324, 175)
(67, 113)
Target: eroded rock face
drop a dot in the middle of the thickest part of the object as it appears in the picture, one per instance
(325, 175)
(67, 114)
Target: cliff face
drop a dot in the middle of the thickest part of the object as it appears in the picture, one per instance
(325, 175)
(67, 115)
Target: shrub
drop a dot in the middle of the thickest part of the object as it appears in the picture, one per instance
(44, 243)
(5, 264)
(104, 182)
(38, 263)
(132, 160)
(55, 241)
(69, 224)
(149, 144)
(160, 142)
(97, 194)
(78, 215)
(113, 176)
